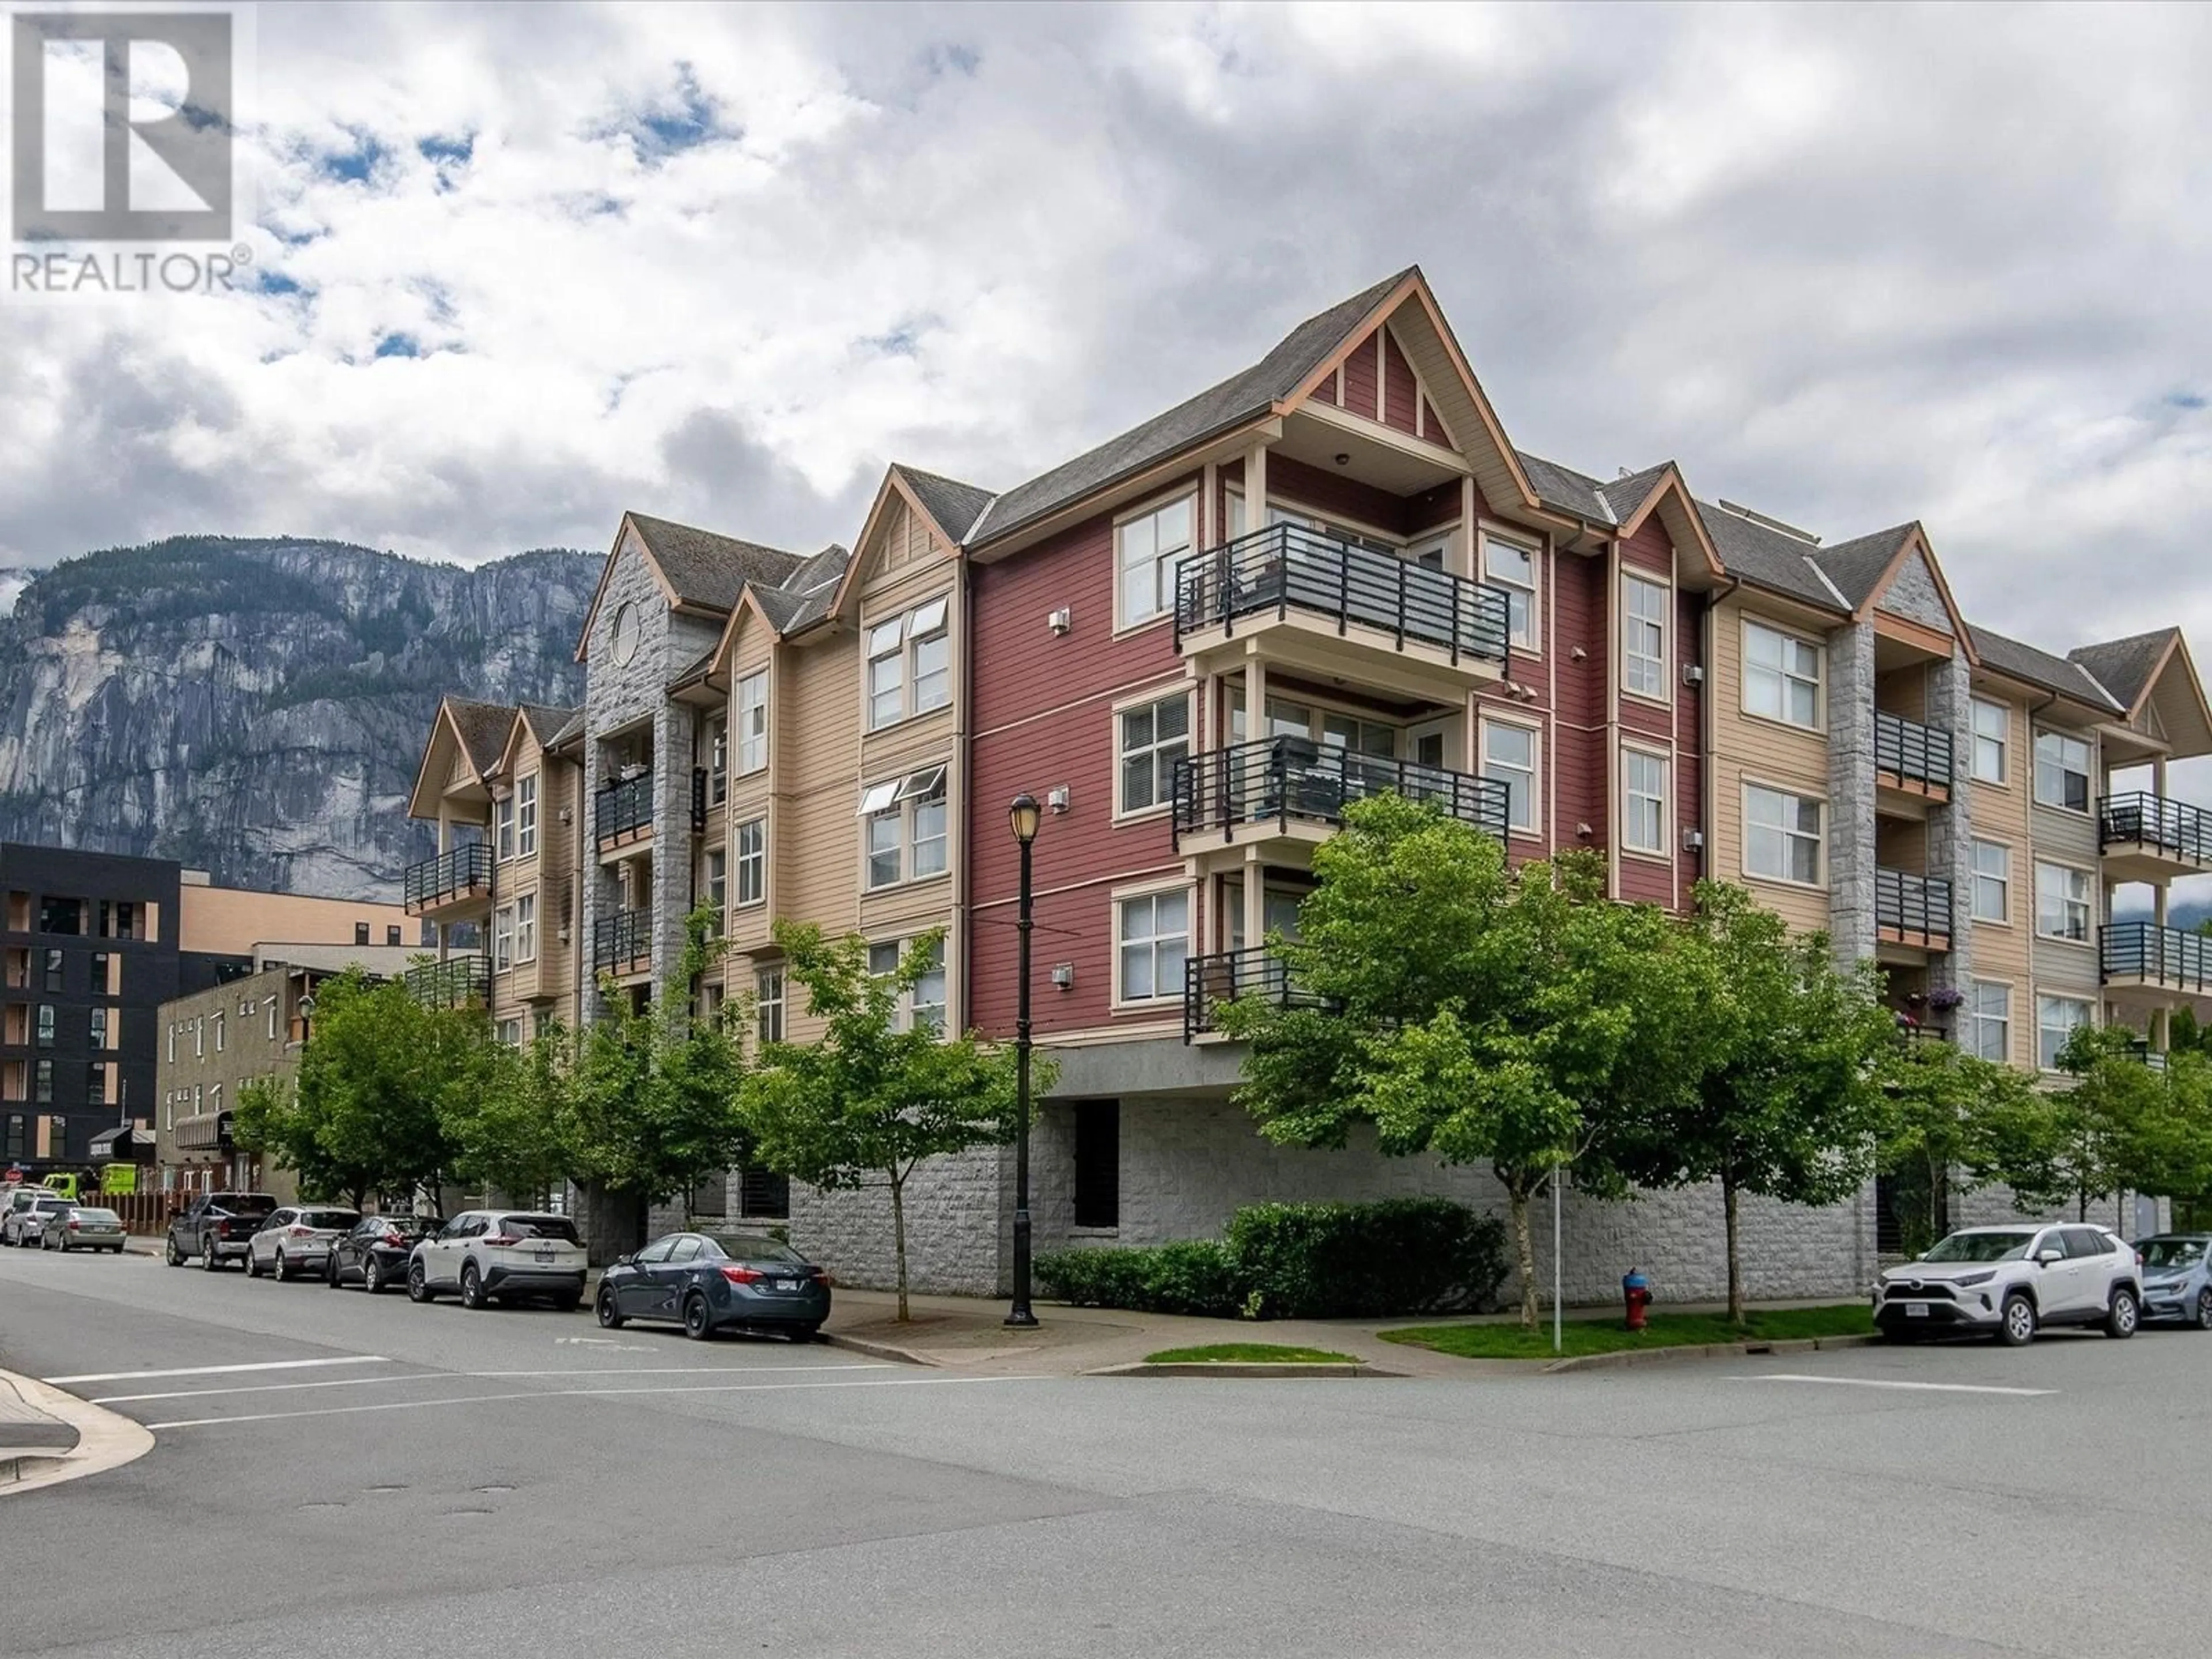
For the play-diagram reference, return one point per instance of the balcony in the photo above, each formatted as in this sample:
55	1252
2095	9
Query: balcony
622	944
459	877
1346	611
622	813
1209	982
701	795
1912	765
1294	787
455	982
2147	960
2142	1054
2147	837
1911	912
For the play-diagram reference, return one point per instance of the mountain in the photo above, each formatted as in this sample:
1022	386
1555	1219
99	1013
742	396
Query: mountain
256	708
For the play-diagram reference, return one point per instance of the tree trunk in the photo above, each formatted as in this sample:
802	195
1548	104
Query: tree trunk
898	1237
1524	1254
1734	1259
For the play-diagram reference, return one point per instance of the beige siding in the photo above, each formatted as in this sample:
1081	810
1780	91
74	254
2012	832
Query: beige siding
1902	691
2000	814
1747	748
813	831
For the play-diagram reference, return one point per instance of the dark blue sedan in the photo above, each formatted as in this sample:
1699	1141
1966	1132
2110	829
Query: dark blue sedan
707	1282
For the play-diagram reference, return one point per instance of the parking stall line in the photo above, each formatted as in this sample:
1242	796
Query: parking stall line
1886	1383
428	1376
216	1370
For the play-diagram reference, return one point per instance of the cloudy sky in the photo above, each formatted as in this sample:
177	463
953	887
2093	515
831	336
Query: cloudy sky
521	267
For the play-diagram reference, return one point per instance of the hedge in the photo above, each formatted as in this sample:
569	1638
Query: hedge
1412	1255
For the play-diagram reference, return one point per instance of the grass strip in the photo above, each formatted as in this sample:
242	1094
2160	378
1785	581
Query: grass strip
1248	1353
1663	1330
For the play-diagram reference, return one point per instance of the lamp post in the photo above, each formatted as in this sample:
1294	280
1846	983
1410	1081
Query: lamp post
1023	816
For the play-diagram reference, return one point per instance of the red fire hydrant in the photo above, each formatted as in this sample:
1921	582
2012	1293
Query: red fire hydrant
1636	1292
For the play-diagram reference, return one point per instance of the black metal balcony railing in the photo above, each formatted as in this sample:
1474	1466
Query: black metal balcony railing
2142	1054
1905	749
453	983
622	939
1285	567
456	871
623	808
1208	982
698	799
2163	955
1917	907
2142	818
1286	778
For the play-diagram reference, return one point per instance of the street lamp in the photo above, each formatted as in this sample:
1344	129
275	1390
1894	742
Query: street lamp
1023	816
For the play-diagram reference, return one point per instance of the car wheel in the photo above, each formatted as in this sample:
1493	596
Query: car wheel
695	1318
330	1270
208	1263
2016	1324
2121	1318
2205	1310
610	1316
418	1284
283	1269
253	1263
372	1276
472	1293
172	1255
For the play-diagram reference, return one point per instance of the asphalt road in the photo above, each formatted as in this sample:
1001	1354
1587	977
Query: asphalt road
397	1479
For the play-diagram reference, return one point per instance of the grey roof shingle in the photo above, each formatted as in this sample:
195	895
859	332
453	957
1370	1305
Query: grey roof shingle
2123	667
707	569
545	723
484	729
1625	496
571	729
2026	662
1563	487
1767	558
1239	398
1856	565
955	506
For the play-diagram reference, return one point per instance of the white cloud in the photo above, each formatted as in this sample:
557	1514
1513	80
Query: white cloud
1854	267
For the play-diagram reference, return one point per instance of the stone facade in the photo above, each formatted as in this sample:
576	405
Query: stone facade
1950	709
1851	710
953	1246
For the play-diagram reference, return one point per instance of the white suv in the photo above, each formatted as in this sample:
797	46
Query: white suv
489	1256
2010	1281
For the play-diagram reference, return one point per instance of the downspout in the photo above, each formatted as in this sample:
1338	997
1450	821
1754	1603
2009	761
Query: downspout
963	951
1709	724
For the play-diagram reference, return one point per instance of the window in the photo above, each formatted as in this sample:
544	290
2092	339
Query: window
42	1087
118	919
718	761
100	1030
61	915
54	965
503	817
102	973
764	1195
1782	839
2061	771
1146	551
360	933
95	1083
910	664
1155	940
925	1002
526	927
1512	566
752	861
1153	738
1098	1163
752	723
714	883
1992	882
767	1003
271	1005
1992	740
927	804
886	672
930	653
2056	1019
1781	676
199	1039
1509	755
884	831
1642	637
2061	903
906	827
525	818
510	1033
1643	806
1989	1008
502	938
172	1044
45	1038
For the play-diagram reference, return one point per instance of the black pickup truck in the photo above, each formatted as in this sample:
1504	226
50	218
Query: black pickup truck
216	1228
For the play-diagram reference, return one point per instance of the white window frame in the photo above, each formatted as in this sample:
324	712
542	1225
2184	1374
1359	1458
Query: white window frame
1980	1020
1487	724
1784	678
1162	994
2086	902
929	623
1128	559
750	699
901	804
1977	737
1660	846
715	884
526	927
768	1004
891	675
1637	631
2088	770
502	938
1529	641
749	884
718	759
510	1032
909	1005
1789	833
525	815
1163	774
502	815
2002	878
2043	1000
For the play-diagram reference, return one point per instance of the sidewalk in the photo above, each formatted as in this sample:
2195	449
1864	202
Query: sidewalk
25	1427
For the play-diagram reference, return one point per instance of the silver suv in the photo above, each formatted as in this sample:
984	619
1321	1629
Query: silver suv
492	1255
2010	1281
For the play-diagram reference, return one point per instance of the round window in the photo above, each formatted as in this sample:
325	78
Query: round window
625	635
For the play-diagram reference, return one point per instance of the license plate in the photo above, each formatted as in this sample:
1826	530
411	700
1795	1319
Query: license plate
786	1284
546	1256
1916	1310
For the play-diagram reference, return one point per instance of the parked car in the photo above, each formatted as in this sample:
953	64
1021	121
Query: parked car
20	1199
26	1225
374	1253
498	1255
81	1227
707	1282
216	1227
297	1240
2177	1278
2010	1281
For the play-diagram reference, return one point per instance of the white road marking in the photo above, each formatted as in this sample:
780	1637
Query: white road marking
1881	1382
220	1371
428	1376
561	1393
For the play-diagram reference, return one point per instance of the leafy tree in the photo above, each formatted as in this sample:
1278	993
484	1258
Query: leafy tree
1483	1014
2124	1127
505	1124
1787	1101
1949	1113
866	1104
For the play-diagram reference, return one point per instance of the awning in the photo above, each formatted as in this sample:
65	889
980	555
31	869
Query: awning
209	1132
123	1145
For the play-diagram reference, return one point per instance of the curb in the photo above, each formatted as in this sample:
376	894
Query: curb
1241	1367
876	1350
1605	1362
104	1440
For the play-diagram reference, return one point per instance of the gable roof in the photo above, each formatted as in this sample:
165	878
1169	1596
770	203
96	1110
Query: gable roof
546	724
483	729
2025	662
1565	488
2126	667
1770	559
705	568
1857	567
955	506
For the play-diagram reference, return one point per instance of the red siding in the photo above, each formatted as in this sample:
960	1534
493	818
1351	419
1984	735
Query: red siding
1648	551
1689	740
1400	388
1579	737
1432	508
1432	428
1332	495
1359	378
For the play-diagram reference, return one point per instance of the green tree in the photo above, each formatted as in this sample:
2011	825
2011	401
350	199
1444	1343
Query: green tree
1788	1099
505	1122
1948	1112
868	1103
1517	1019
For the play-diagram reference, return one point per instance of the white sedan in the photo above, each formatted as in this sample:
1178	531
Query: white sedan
296	1241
